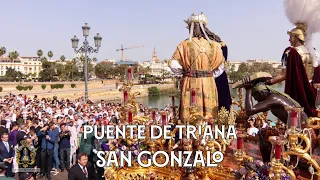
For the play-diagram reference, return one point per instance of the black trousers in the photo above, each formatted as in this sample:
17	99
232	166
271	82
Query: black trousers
65	158
38	158
100	173
9	172
46	163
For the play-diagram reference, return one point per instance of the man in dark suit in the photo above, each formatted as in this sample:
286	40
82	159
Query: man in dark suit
79	171
6	153
22	133
3	128
86	146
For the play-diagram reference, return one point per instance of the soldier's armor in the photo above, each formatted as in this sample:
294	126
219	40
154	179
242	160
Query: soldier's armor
306	60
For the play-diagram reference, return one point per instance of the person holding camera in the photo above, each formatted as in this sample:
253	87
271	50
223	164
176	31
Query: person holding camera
47	145
64	147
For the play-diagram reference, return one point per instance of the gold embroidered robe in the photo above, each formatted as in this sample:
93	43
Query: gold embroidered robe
199	55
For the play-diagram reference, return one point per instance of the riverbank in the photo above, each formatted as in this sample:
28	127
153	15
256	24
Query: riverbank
116	95
96	90
37	86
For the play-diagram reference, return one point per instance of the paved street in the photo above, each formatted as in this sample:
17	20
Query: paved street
59	176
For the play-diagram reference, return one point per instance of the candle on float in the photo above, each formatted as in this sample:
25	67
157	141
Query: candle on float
278	151
239	142
152	177
129	74
130	117
193	97
294	118
125	96
164	119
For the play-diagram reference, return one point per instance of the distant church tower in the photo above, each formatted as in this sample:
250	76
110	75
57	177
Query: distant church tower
155	56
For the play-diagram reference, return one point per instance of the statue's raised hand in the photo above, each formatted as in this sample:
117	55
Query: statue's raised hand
247	82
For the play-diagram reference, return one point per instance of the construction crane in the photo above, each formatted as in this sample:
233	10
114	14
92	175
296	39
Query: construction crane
122	49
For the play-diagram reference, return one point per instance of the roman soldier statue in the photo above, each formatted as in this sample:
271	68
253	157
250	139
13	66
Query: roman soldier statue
300	62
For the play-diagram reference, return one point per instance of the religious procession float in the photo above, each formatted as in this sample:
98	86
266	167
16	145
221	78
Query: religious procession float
287	150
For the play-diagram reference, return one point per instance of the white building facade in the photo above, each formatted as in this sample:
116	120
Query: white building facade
157	68
23	64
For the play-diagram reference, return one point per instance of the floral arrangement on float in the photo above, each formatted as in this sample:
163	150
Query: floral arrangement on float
257	170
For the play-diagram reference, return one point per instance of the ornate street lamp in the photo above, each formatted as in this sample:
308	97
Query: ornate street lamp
86	48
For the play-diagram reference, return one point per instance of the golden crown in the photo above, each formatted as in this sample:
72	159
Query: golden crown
197	18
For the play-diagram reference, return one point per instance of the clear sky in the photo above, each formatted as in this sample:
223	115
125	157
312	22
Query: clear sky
252	29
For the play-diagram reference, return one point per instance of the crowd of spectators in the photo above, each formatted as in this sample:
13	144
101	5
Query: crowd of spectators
54	126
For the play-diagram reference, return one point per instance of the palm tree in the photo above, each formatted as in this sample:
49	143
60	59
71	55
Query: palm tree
50	54
2	51
43	59
39	53
13	56
62	58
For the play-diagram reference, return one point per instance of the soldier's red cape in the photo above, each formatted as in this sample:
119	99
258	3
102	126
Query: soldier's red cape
297	84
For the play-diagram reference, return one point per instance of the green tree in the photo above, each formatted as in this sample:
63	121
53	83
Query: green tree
71	70
153	91
94	59
50	54
13	56
144	70
43	59
61	72
82	59
121	70
90	65
3	51
246	69
39	53
62	58
48	71
13	74
104	70
90	69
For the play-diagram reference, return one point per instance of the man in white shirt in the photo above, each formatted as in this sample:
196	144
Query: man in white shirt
73	142
66	110
78	122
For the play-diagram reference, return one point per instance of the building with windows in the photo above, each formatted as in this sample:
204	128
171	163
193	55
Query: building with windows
157	68
24	64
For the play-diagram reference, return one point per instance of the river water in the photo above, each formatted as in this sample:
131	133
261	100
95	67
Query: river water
161	101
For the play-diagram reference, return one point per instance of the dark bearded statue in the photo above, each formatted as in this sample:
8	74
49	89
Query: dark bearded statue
272	100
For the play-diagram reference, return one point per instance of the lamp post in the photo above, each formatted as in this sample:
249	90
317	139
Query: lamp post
86	48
